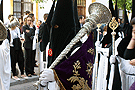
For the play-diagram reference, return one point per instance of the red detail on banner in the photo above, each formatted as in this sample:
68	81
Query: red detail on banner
50	52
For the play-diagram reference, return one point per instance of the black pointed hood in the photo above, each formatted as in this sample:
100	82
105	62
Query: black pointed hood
126	26
111	8
1	10
63	13
125	15
49	18
63	25
116	11
45	29
133	9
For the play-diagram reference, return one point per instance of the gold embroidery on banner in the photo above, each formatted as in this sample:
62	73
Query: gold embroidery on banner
91	51
89	69
82	82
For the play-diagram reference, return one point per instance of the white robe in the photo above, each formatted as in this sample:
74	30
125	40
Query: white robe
127	73
103	69
5	65
101	83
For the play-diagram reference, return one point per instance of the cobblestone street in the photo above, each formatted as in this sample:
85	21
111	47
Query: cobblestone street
25	86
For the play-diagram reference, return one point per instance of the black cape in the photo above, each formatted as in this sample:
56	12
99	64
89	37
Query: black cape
124	43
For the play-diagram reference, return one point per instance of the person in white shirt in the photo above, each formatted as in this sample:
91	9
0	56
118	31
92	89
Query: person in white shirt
8	21
16	51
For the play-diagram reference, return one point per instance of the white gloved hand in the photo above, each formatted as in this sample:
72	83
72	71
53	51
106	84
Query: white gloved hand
43	83
112	59
97	43
47	75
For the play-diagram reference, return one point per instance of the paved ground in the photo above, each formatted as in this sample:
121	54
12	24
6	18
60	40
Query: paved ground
22	81
24	86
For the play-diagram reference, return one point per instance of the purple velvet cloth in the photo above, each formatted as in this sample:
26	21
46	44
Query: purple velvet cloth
132	87
65	70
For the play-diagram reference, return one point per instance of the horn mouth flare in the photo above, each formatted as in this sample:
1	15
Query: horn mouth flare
99	13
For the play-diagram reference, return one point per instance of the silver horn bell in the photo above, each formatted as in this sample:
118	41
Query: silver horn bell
99	13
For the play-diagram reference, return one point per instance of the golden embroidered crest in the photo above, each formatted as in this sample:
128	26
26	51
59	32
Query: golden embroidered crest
91	51
82	82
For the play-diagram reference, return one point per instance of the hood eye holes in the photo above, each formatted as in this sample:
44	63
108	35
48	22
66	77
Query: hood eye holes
56	26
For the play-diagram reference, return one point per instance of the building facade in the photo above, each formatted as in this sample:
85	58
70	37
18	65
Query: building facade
19	7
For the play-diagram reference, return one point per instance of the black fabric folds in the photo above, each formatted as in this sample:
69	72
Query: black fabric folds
44	32
63	28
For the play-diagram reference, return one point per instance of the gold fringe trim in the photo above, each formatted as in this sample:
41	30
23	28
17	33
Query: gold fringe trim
58	81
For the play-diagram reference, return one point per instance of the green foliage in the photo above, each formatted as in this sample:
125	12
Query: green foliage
40	1
120	4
